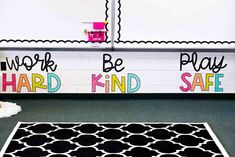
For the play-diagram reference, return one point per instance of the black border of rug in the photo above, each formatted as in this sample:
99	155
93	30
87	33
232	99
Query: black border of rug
206	125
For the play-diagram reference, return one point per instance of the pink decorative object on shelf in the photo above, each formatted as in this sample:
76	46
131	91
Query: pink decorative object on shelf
99	25
96	36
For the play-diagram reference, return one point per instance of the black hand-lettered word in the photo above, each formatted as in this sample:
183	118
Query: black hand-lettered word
107	60
28	62
206	62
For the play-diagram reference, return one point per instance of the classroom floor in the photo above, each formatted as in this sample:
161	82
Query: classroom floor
220	114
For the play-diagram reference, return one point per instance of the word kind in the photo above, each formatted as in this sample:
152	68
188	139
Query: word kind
30	81
205	81
110	82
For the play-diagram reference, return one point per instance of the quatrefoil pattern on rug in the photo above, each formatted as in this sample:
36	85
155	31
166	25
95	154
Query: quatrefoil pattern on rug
112	140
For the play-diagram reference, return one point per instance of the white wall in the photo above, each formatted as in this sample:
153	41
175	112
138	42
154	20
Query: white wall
177	24
152	24
53	23
138	24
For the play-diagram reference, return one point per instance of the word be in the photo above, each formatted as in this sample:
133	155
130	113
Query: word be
198	82
206	62
37	82
107	59
126	84
28	62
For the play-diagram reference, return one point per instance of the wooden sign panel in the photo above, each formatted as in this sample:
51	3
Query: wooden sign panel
116	72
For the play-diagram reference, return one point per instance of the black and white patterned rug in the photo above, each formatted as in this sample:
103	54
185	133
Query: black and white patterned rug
112	140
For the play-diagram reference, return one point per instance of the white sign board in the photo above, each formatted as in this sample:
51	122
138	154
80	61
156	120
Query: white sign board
116	72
